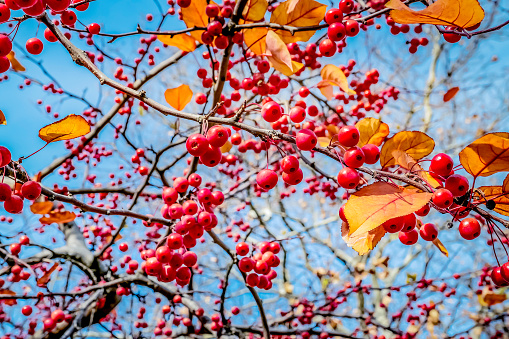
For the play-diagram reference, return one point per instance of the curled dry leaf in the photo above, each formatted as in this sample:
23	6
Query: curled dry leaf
42	207
487	155
489	297
178	97
3	121
460	13
364	242
303	13
70	127
58	217
194	16
42	281
15	64
279	55
414	143
255	10
372	131
374	204
451	93
333	76
184	42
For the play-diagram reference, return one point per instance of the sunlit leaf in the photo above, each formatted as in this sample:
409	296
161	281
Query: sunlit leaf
372	131
226	147
499	195
42	207
441	247
336	77
255	10
489	298
303	13
70	127
3	121
178	97
407	162
326	89
42	281
450	94
460	13
194	16
279	56
184	42
414	143
364	242
374	204
487	155
58	217
15	64
255	39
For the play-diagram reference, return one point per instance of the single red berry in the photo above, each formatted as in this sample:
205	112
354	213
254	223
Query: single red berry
68	18
26	310
333	15
194	180
5	192
346	6
354	157
221	42
94	28
5	44
58	316
14	204
174	241
348	178
451	37
409	223
34	46
246	264
267	179
5	64
423	211
58	5
327	48
212	157
297	114
197	144
184	3
153	267
371	153
469	228
31	190
409	238
442	198
170	195
336	31
394	225
306	140
143	170
441	164
351	27
497	278
348	136
293	178
428	232
290	164
342	213
504	270
457	184
217	136
271	111
123	247
303	92
217	198
252	279
242	248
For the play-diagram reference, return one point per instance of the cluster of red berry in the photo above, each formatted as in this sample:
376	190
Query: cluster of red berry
261	262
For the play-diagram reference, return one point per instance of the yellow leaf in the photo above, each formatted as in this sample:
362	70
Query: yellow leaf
451	94
185	42
3	121
416	144
487	155
194	16
255	10
372	131
255	39
58	217
303	13
226	147
15	64
324	141
407	162
178	97
374	204
42	281
326	89
279	56
70	127
441	247
42	207
490	298
335	76
364	242
460	13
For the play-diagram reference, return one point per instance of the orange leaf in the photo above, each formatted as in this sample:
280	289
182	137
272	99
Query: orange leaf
335	77
15	64
416	144
184	42
505	184
326	89
226	147
194	16
8	302
499	195
364	242
255	39
3	121
42	281
490	298
372	131
460	13
487	155
58	217
441	247
43	207
451	94
407	162
374	204
255	10
303	13
178	97
279	56
70	127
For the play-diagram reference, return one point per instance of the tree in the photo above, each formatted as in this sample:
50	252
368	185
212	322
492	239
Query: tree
234	176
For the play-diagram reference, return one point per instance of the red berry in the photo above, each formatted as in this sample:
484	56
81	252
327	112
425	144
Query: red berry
94	28
346	6
354	157
5	44
68	18
290	164
328	48
58	5
217	136
423	211
409	238
271	111
197	144
371	154
441	164
246	264
4	64
14	204
336	31
153	266
212	157
143	170
25	3
58	316
190	259
31	190
184	3
170	195
194	180
497	278
428	232
504	270
457	184
242	248
351	27
123	247
348	178
451	37
348	136
34	46
306	140
212	10
297	114
26	310
293	178
333	15
267	179
252	279
5	192
394	225
174	241
442	198
469	228
409	222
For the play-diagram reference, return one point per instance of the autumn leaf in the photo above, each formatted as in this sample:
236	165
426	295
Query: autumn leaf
303	13
255	10
194	16
414	143
279	56
70	127
3	121
364	242
451	93
58	217
42	281
42	207
8	302
184	42
460	13
489	298
487	155
15	64
326	89
372	131
178	97
332	133
499	195
374	204
333	76
226	147
255	39
410	164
